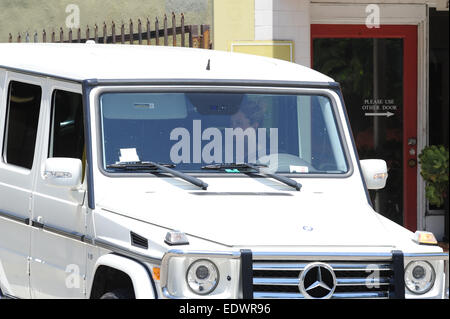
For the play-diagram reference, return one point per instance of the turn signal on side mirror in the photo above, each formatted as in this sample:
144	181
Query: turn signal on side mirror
380	176
63	172
374	172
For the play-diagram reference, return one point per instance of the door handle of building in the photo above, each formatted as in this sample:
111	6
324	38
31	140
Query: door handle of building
412	162
412	141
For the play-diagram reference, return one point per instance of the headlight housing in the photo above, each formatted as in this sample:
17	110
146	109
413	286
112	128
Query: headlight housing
200	274
419	277
202	277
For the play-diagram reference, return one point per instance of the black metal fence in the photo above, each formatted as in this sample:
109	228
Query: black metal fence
147	33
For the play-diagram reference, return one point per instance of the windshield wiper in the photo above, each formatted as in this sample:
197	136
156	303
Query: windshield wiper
244	167
167	168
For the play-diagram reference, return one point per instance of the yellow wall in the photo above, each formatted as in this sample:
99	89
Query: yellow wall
233	20
283	50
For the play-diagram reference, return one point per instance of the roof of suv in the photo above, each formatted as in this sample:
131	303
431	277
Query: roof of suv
80	62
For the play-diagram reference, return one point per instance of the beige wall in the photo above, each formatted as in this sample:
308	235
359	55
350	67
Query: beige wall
34	15
257	22
285	20
233	20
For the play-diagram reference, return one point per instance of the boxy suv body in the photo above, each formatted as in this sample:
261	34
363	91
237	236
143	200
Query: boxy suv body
150	172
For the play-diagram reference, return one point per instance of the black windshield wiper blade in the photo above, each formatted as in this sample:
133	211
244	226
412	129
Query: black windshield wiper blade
138	165
167	168
242	167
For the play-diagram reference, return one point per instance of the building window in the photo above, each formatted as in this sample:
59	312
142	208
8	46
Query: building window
438	68
24	102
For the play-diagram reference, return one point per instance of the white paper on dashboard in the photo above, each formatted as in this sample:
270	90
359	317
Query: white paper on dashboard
128	155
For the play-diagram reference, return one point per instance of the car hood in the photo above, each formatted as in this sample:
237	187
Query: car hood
258	219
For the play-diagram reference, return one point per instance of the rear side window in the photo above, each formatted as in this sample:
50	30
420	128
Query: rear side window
24	102
67	129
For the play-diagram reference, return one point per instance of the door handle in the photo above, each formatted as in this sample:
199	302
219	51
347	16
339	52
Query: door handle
412	162
38	223
412	141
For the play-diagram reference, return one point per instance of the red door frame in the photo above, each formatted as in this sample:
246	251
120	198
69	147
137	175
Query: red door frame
409	35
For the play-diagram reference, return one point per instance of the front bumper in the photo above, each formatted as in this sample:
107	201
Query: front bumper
276	275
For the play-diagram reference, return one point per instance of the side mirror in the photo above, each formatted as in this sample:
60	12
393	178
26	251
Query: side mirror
374	172
64	172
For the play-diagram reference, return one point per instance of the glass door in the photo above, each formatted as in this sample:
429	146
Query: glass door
377	70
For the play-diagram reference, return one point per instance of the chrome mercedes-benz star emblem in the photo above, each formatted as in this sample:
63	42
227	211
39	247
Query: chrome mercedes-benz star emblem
317	281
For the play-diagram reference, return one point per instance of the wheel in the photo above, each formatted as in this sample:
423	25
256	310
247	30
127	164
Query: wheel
118	294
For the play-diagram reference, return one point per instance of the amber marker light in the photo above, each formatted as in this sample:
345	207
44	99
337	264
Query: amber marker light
380	176
425	238
156	273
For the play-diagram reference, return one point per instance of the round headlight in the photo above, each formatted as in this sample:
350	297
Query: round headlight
202	277
419	277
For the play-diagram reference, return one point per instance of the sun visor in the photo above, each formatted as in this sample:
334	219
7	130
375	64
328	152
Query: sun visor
143	106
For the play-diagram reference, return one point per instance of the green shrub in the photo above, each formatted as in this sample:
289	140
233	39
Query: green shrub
434	170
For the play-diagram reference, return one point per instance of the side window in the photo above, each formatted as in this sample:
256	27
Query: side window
67	129
24	102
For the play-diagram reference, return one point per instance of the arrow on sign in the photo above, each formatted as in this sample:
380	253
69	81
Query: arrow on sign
387	114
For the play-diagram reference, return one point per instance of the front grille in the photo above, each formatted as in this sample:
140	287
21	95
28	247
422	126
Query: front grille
354	279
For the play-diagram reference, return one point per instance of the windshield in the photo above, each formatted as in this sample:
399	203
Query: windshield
287	133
